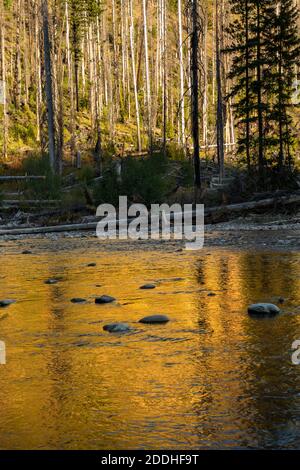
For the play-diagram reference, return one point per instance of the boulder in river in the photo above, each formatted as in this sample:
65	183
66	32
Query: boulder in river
91	265
104	299
26	252
117	328
6	302
148	286
78	300
154	319
263	310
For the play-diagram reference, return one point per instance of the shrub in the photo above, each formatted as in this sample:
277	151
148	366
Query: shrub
143	180
43	189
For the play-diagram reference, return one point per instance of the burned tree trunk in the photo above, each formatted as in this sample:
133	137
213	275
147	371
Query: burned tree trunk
48	84
195	33
220	112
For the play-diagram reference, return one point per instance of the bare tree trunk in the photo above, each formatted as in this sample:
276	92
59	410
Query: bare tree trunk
137	108
38	73
91	67
18	78
124	96
97	78
247	88
205	87
220	112
48	85
195	90
164	26
70	84
26	51
259	95
147	76
57	84
3	62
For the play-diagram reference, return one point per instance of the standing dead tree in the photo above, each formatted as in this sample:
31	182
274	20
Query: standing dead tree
3	65
147	75
196	28
48	84
220	110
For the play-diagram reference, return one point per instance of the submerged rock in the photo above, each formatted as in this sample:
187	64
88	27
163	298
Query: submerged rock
148	286
155	319
6	302
261	310
78	300
117	328
51	281
3	317
104	299
91	265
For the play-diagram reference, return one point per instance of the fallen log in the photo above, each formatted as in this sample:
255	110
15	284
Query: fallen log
6	203
21	178
221	213
81	184
53	229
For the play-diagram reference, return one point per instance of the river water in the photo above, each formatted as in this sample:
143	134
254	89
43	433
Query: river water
211	378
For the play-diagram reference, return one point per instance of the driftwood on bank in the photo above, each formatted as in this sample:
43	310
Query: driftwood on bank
19	203
53	229
21	178
212	215
81	184
221	213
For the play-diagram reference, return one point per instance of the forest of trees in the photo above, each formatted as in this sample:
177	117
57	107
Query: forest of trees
209	78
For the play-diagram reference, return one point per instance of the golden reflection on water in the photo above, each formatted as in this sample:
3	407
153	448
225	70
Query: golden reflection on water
211	378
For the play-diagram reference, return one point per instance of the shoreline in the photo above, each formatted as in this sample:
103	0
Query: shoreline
230	237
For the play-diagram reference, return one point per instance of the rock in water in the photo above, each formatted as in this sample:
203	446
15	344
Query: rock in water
26	252
91	265
78	300
116	328
264	310
104	299
148	286
51	281
155	319
6	302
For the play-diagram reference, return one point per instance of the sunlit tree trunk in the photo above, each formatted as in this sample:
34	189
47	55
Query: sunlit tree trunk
220	112
147	76
3	62
18	73
259	92
70	83
205	87
181	73
132	48
48	84
165	76
247	84
38	73
195	91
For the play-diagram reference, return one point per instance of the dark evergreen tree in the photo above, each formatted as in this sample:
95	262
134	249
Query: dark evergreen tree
282	46
265	50
242	74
